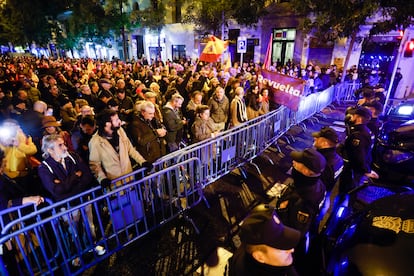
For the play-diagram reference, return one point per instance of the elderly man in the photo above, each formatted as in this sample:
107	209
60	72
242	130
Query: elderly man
267	245
174	122
147	133
238	111
64	175
219	108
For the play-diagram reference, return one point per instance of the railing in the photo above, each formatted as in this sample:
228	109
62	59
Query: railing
345	92
48	240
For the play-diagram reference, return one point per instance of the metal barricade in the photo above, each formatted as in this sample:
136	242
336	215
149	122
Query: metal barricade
345	92
40	242
62	233
59	238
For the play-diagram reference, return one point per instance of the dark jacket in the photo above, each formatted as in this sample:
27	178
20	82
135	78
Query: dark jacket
80	142
61	183
174	124
357	148
304	197
125	108
219	110
145	138
9	190
334	166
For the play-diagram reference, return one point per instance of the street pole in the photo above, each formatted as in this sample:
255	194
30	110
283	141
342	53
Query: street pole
241	60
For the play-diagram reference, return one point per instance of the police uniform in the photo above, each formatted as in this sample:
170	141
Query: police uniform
305	195
262	227
374	124
357	157
334	162
334	167
303	205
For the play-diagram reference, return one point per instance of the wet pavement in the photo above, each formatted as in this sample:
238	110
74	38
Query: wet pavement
177	249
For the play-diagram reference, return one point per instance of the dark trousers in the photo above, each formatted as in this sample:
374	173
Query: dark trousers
350	178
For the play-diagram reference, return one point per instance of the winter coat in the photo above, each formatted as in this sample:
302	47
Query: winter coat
105	162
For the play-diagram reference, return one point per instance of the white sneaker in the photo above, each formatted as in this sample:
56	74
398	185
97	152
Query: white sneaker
100	250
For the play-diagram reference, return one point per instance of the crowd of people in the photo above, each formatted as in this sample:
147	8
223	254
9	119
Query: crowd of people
70	124
135	111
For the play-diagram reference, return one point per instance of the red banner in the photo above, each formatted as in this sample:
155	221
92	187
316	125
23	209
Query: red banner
283	89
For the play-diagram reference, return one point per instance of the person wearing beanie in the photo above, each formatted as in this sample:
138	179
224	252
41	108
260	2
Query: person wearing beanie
266	245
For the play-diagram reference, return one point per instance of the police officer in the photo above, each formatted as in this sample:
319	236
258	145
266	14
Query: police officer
299	204
325	142
374	124
267	246
356	149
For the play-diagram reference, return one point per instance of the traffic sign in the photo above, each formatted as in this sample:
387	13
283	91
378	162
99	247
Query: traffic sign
241	45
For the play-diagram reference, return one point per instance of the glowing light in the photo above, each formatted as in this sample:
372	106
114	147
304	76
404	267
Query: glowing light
405	110
411	45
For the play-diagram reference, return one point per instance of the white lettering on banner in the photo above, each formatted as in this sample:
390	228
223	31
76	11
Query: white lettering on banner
279	86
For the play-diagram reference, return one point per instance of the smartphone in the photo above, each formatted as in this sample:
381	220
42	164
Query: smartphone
49	112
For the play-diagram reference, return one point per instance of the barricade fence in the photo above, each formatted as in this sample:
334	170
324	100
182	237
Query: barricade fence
345	92
64	236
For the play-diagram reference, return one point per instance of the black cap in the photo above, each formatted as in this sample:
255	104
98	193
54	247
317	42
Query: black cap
311	158
328	133
368	93
361	111
263	226
375	104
